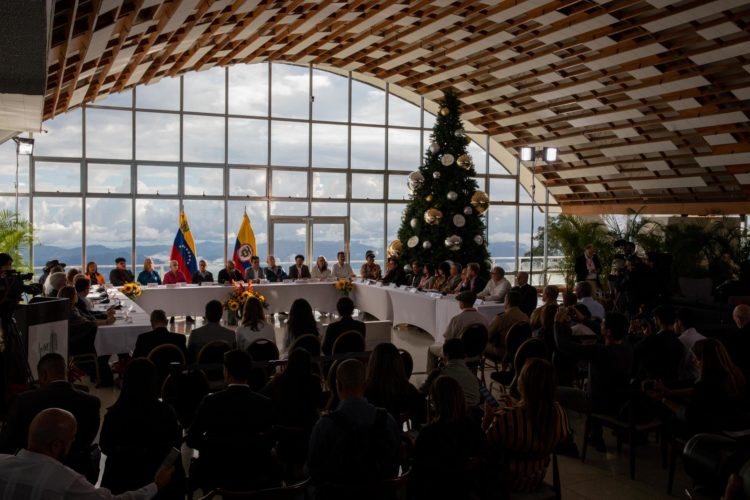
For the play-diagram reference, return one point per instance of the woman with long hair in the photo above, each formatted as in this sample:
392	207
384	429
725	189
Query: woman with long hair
428	276
443	270
149	274
320	269
453	279
301	321
92	271
137	433
71	276
388	387
530	429
254	325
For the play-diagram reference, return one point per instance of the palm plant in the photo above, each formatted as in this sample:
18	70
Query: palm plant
16	234
572	234
646	233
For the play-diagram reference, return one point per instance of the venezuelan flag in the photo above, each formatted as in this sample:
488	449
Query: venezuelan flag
244	246
183	249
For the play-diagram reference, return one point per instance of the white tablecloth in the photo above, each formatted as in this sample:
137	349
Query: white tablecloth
373	300
120	337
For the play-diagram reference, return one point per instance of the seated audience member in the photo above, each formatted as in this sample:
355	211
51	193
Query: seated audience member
231	431
393	274
50	267
149	274
301	321
254	273
549	298
82	286
174	275
93	274
54	392
37	471
159	335
345	308
388	387
355	424
473	283
441	278
229	274
320	270
496	287
528	293
499	326
202	275
583	293
570	299
70	276
455	367
445	445
719	394
370	270
341	269
138	431
463	283
739	341
458	323
610	369
414	276
427	278
254	325
55	281
453	279
528	430
583	323
684	326
660	356
299	271
274	273
209	332
121	274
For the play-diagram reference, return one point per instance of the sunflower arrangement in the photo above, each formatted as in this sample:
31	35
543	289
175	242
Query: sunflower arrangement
239	295
131	290
343	286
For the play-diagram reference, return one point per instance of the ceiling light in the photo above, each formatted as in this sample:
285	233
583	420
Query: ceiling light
527	154
24	146
549	154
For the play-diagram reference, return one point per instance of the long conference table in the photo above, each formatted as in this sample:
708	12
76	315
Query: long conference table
429	311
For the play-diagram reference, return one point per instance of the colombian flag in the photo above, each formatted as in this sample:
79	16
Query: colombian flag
183	249
244	247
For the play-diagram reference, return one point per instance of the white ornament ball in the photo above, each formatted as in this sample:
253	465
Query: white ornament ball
468	211
478	239
452	195
413	223
436	175
416	179
459	220
434	148
459	132
447	160
426	245
453	242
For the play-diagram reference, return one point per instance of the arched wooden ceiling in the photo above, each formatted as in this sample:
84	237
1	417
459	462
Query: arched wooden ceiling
646	99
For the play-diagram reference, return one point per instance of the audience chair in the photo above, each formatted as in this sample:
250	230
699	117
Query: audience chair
163	356
291	492
211	360
351	341
408	363
513	340
291	445
546	491
184	391
308	342
531	348
88	357
263	350
332	399
474	338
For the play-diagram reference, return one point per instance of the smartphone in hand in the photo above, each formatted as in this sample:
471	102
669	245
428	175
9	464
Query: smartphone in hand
488	397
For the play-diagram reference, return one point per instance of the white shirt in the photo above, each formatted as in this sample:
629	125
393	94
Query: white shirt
342	272
30	475
461	321
595	308
495	290
689	337
316	273
246	335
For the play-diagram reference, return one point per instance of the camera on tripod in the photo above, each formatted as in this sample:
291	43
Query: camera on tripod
12	286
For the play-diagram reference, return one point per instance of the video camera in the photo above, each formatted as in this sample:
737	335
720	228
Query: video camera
12	286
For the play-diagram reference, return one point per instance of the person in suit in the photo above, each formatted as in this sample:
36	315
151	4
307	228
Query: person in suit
528	293
274	273
55	392
588	266
121	274
345	307
159	335
202	275
229	274
414	276
209	332
473	283
254	273
299	270
394	273
232	432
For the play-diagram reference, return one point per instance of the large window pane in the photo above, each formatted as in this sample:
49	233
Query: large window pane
157	180
257	211
108	231
329	185
366	227
109	134
204	91
164	94
247	182
328	240
156	224
157	136
395	215
368	104
331	94
525	229
57	230
288	183
57	177
204	181
368	186
497	168
288	241
501	226
401	112
368	148
477	152
248	141
328	209
503	190
63	138
398	188
289	144
203	139
108	178
403	149
290	91
206	219
248	89
289	208
429	120
8	169
329	145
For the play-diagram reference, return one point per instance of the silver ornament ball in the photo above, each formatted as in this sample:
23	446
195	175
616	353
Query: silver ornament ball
434	148
426	245
413	223
478	239
452	195
468	211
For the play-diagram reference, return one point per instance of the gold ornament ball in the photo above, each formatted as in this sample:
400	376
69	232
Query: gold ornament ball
480	201
395	248
432	216
445	111
428	198
464	161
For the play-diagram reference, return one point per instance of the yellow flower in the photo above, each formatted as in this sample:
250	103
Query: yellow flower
137	292
233	305
127	288
246	295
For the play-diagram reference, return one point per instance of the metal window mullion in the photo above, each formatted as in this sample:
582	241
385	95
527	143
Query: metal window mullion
181	164
384	241
518	212
546	229
348	186
269	173
310	98
132	202
83	184
226	163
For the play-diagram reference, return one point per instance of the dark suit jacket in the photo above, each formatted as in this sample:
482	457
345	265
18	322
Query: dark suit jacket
198	279
413	279
118	278
582	271
225	278
396	276
61	394
476	285
275	275
528	298
337	328
304	274
659	357
148	341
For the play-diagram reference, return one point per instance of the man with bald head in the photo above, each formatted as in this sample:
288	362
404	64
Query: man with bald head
739	343
37	472
55	392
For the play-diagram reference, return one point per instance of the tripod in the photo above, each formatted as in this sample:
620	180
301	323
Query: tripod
16	372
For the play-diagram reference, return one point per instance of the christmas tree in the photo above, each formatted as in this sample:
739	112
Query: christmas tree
443	220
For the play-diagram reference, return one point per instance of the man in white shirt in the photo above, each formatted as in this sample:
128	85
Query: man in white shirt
36	472
583	291
496	287
341	270
684	326
468	316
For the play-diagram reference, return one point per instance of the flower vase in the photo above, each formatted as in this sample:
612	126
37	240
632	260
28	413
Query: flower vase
231	318
344	293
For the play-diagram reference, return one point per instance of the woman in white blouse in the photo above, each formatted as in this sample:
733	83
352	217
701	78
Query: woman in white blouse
320	269
254	325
